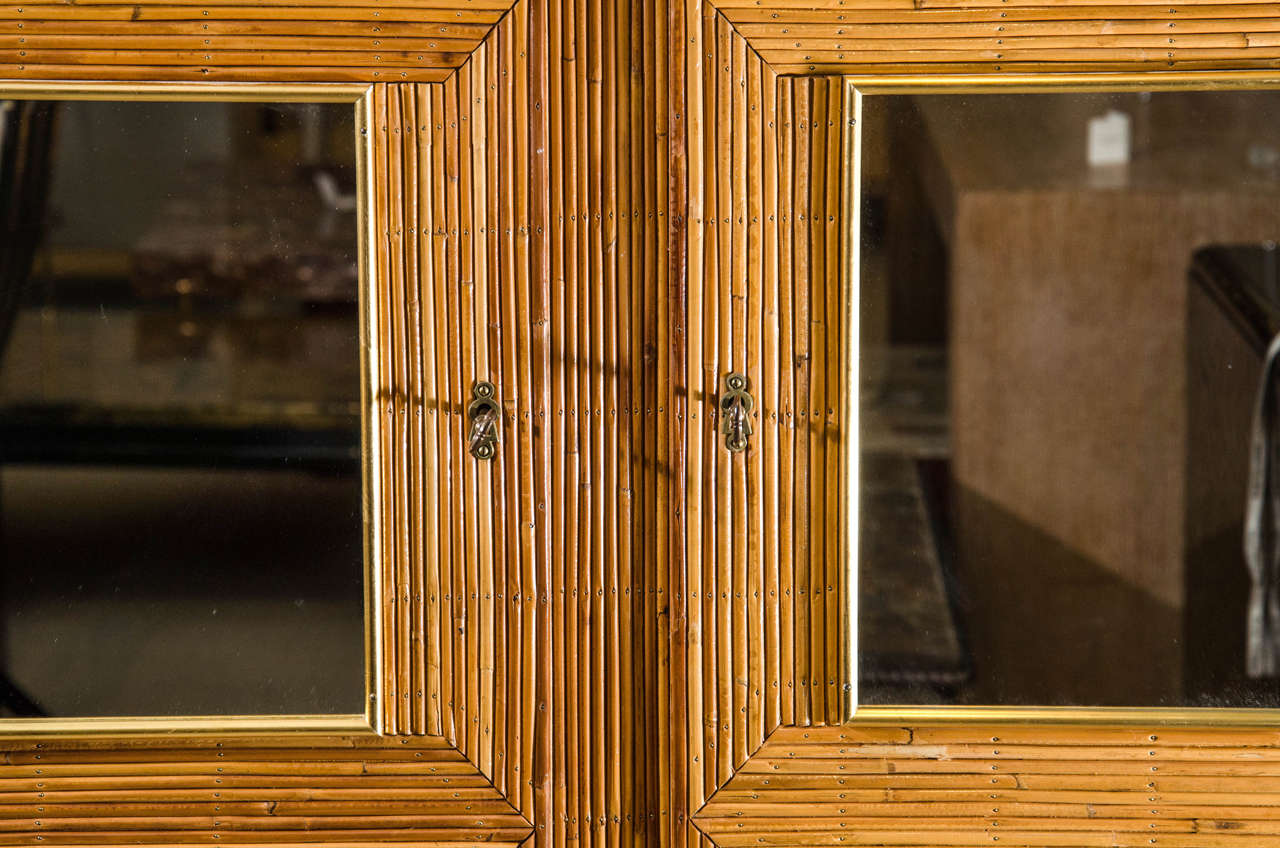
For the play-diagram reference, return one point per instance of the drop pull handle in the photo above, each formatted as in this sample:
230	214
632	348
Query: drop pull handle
736	406
484	415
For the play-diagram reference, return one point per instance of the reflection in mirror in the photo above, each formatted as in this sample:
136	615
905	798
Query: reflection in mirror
1067	301
180	484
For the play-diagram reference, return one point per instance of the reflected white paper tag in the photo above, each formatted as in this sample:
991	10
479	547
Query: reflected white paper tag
1109	139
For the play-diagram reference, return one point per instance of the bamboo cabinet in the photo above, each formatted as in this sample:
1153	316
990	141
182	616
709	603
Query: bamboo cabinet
616	630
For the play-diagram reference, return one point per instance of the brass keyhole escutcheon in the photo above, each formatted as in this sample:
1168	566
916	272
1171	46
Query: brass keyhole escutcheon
484	414
736	406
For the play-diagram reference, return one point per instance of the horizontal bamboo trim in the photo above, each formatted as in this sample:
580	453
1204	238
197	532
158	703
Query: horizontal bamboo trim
963	785
1096	15
389	49
223	73
449	6
282	40
213	28
281	60
889	37
207	13
996	45
916	69
340	840
75	792
1001	28
1015	55
228	833
1045	8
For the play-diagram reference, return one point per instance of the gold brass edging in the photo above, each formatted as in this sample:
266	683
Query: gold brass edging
370	342
195	726
1142	716
360	95
857	85
235	92
850	345
1063	82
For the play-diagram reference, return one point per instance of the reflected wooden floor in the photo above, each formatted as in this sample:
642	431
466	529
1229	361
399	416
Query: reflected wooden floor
1044	625
143	591
1048	626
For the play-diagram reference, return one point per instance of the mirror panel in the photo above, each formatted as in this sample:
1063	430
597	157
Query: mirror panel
180	381
1066	303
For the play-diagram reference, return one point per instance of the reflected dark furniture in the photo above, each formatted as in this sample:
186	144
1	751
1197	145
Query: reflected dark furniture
26	131
1233	312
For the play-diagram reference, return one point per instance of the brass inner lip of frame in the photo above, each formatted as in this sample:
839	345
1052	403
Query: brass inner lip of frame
857	86
359	95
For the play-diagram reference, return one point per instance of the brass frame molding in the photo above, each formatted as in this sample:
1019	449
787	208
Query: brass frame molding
360	98
856	88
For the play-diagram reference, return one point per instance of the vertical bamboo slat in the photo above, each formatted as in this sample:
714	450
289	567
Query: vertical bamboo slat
608	416
665	392
813	413
503	549
837	382
628	682
384	598
541	330
429	281
414	361
457	458
770	403
802	353
753	682
560	482
520	188
675	71
508	774
444	415
736	78
786	403
721	462
699	479
595	430
470	471
575	171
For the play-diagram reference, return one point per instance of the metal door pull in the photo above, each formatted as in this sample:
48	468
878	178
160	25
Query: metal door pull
485	415
736	406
